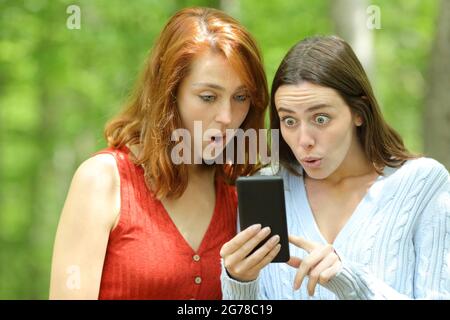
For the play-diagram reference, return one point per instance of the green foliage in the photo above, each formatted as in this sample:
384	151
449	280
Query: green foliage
58	87
402	53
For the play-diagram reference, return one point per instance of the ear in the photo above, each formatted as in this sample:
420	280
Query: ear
358	120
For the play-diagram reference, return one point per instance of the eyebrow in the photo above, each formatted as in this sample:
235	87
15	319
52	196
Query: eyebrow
310	109
214	86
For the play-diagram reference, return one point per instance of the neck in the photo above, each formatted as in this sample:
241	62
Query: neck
201	172
355	164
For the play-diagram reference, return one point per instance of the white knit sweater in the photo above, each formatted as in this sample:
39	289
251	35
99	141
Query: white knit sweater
396	245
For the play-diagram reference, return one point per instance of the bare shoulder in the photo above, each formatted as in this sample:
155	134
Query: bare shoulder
100	170
95	189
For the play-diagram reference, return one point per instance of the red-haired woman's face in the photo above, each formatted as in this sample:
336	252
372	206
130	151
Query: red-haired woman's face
318	126
214	96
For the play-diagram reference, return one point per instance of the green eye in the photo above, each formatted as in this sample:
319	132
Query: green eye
208	98
322	119
289	122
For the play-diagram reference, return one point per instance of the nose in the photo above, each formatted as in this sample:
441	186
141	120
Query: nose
305	137
224	115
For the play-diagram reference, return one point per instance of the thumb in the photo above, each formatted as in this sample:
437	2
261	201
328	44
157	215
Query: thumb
294	262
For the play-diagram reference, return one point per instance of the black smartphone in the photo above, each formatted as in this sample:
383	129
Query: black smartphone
261	200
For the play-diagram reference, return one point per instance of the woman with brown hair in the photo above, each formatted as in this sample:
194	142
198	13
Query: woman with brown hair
137	223
366	218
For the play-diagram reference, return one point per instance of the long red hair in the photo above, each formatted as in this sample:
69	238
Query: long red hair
151	115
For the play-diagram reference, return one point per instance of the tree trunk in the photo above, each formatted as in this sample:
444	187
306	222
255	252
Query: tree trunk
437	104
350	19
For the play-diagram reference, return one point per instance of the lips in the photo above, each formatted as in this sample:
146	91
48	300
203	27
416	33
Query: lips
311	162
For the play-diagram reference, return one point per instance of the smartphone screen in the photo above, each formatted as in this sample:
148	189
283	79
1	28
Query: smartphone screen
261	200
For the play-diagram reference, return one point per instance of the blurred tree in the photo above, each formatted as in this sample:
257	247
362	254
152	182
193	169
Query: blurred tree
350	19
231	7
437	104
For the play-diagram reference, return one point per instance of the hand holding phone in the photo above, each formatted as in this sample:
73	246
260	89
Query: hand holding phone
239	263
262	216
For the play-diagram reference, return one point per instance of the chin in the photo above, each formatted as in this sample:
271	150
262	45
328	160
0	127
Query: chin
317	174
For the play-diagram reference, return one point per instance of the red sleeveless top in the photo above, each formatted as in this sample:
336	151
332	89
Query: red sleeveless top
148	258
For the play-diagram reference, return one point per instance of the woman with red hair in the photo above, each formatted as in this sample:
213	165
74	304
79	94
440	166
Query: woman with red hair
138	225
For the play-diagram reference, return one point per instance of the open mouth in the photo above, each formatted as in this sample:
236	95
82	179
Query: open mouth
217	139
313	163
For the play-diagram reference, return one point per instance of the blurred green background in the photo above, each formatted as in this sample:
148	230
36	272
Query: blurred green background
59	86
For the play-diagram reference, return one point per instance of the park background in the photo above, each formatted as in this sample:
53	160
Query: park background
59	85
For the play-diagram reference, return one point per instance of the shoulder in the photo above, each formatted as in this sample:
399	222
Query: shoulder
434	173
425	163
420	179
98	171
95	190
425	168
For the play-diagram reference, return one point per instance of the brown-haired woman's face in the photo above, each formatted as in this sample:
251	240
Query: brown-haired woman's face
317	125
214	95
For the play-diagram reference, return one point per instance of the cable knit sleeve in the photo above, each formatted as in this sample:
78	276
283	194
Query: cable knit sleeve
237	290
432	243
432	256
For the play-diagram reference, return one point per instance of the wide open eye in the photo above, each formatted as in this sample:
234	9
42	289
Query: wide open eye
289	121
322	119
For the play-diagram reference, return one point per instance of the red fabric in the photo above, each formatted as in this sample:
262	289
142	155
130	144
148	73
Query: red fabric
148	258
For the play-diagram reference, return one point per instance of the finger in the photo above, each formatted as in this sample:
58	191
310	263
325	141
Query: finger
242	253
310	262
329	273
268	258
239	240
256	257
294	262
303	243
314	274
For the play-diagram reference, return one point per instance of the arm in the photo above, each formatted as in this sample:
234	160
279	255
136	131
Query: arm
432	250
90	212
432	245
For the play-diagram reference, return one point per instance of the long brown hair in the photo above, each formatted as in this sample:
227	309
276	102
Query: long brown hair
151	116
330	61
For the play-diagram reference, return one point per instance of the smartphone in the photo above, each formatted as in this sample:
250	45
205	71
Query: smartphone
261	200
